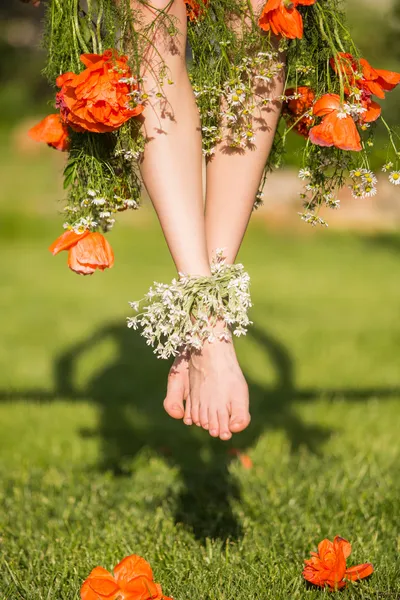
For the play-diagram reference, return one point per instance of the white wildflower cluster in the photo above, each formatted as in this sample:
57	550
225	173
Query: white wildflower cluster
98	211
363	183
129	155
331	201
228	111
181	316
354	109
305	69
313	219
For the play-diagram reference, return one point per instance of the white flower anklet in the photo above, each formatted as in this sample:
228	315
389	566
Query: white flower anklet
182	316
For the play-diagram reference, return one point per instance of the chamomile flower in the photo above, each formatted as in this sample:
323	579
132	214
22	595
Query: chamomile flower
357	173
369	191
369	177
304	174
387	166
394	177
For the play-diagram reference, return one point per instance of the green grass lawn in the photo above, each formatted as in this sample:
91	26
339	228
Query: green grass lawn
93	470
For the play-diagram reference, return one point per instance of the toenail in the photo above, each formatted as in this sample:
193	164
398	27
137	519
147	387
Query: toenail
198	423
214	432
187	421
176	407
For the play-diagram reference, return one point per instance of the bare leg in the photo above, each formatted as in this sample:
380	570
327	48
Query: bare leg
232	183
172	164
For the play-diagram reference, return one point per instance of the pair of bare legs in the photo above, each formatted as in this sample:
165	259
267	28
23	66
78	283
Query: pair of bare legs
206	388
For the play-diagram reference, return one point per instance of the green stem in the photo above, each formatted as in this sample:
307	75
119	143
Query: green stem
76	25
90	24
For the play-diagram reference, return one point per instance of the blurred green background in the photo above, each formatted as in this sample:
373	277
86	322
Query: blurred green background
92	469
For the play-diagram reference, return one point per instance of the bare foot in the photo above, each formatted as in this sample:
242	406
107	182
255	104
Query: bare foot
218	390
178	390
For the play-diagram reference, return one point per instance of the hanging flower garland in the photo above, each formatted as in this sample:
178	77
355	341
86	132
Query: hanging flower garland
96	66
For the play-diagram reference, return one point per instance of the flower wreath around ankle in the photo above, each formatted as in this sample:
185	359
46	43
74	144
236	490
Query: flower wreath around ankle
181	316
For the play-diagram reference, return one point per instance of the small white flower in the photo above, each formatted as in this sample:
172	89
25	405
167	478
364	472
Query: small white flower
98	201
368	191
304	174
369	178
394	177
386	167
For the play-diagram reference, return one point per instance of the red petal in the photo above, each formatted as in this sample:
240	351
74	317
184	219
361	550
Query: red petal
373	112
374	87
131	567
76	266
345	134
99	584
66	241
359	572
322	135
104	587
389	77
343	544
326	104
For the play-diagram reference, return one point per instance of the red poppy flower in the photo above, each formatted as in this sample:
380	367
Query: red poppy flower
194	9
296	107
360	74
327	567
52	131
132	580
98	98
336	128
87	251
283	18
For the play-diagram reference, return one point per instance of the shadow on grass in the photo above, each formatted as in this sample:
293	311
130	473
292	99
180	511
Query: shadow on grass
128	394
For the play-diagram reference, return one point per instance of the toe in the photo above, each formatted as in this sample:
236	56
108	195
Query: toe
195	412
223	419
187	419
240	417
173	402
204	415
213	424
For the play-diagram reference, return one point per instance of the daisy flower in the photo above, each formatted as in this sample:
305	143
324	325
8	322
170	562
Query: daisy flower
394	177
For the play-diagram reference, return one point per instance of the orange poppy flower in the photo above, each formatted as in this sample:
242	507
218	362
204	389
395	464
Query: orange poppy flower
360	74
283	18
327	567
336	128
296	107
98	99
52	131
195	10
132	580
87	251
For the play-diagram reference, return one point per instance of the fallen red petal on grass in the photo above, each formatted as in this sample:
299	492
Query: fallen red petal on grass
132	580
327	567
244	459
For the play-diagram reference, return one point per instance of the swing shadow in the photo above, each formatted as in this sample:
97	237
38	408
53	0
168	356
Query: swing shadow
128	394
